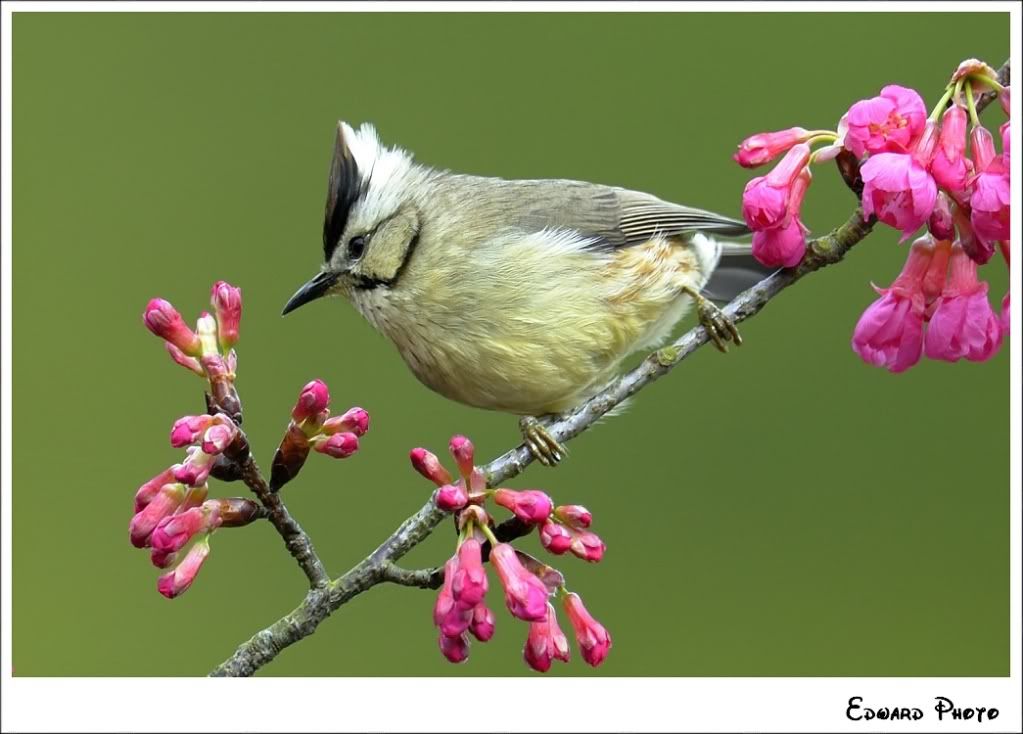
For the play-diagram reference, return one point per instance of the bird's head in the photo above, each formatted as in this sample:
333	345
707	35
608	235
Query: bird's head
371	222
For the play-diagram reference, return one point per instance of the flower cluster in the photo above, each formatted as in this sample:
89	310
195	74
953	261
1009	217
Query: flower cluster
528	583
209	350
312	427
917	169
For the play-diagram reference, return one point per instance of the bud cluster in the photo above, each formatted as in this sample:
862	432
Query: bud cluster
528	584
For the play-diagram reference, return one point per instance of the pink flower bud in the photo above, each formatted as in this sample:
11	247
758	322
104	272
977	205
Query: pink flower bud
174	531
940	225
545	643
162	559
949	165
593	640
462	450
889	122
898	191
195	469
482	624
162	319
189	363
963	324
149	490
1005	314
587	545
227	304
933	282
524	594
188	429
220	435
429	466
354	420
450	616
761	148
576	516
455	649
529	505
555	538
313	399
982	148
340	445
164	503
469	584
176	582
451	497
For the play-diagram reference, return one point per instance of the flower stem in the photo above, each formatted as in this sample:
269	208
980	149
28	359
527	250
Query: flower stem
940	107
971	105
490	535
993	83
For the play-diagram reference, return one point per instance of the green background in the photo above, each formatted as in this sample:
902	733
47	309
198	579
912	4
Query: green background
782	510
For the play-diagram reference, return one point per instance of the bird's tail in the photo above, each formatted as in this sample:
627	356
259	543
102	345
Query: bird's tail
736	271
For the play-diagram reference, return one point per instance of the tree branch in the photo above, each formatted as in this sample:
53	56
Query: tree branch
320	602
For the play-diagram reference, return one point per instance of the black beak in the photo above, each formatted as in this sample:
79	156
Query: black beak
312	290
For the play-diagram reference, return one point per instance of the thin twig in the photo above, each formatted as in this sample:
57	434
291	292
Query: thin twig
379	566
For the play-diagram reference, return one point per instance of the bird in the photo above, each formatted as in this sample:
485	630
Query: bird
520	296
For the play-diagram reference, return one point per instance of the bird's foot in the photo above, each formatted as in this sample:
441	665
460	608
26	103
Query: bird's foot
541	444
720	328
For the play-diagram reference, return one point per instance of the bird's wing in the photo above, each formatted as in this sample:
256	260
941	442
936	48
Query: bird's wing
614	217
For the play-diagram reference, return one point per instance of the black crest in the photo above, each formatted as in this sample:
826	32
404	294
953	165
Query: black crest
344	187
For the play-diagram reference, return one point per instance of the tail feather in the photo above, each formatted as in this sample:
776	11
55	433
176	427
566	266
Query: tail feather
737	270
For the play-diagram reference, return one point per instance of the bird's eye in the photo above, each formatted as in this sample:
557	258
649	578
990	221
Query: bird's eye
356	246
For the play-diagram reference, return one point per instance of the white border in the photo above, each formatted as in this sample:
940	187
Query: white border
572	704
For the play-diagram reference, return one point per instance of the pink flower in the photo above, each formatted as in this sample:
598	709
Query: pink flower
176	582
890	332
889	122
529	505
980	250
482	624
1004	130
594	641
429	466
451	497
524	594
340	445
576	516
188	429
227	303
587	545
462	450
546	642
354	420
162	319
149	490
469	583
162	559
761	148
312	401
451	617
950	167
940	224
766	200
990	206
780	246
555	538
164	503
455	648
1005	314
963	324
898	191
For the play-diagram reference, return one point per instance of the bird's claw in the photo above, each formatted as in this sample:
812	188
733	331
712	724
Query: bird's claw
720	328
541	444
